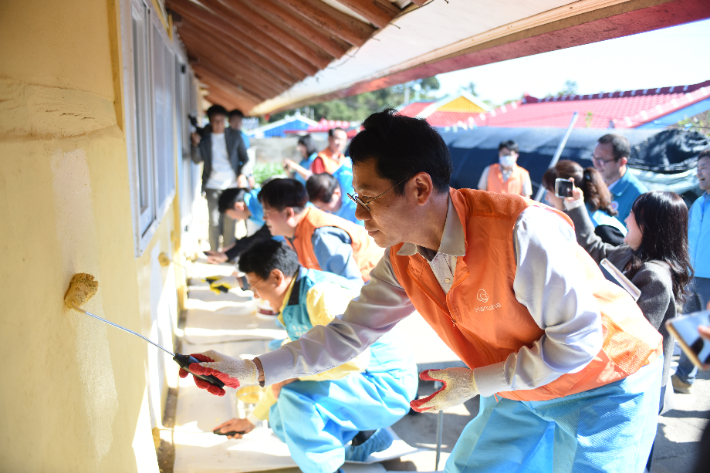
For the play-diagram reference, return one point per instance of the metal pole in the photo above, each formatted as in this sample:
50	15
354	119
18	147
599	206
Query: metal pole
439	435
558	153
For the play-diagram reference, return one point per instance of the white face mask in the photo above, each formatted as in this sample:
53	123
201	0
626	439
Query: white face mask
506	161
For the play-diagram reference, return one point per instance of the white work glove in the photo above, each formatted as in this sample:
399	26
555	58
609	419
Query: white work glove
231	371
459	386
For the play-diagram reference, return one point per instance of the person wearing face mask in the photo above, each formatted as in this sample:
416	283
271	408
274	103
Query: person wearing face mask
654	257
548	342
506	177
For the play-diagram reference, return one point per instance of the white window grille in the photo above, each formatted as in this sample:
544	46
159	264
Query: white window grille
154	120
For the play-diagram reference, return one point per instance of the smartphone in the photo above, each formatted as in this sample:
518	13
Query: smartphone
563	187
685	330
231	432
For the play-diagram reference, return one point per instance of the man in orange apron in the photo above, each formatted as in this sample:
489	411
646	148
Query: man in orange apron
568	368
331	158
322	241
506	177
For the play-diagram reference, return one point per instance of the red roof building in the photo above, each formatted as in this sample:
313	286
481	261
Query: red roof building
450	109
644	108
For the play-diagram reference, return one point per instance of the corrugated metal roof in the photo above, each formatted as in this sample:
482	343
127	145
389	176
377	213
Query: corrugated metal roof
627	109
415	108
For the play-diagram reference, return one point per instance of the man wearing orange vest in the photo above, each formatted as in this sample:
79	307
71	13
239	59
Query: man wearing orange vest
322	241
506	177
567	367
331	158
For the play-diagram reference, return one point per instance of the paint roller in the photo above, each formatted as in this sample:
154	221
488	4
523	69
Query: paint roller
165	261
83	287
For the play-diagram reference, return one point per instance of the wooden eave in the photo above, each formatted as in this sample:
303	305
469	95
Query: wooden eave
265	56
246	52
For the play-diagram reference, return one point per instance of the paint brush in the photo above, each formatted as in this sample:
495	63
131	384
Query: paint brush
83	286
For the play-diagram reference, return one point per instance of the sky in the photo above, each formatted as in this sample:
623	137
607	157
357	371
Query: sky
668	57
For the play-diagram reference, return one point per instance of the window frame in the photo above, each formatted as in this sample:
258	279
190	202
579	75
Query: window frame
149	92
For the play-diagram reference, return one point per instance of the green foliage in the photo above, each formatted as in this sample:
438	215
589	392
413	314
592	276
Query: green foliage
470	88
699	123
264	171
570	88
588	119
359	107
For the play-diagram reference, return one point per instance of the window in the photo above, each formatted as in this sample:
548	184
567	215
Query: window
164	118
188	172
142	145
153	118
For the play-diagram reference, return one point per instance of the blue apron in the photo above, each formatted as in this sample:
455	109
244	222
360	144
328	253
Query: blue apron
607	429
316	419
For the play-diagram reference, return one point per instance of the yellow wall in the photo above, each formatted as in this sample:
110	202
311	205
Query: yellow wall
74	390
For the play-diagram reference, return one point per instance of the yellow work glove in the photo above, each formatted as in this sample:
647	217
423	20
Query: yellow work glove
459	387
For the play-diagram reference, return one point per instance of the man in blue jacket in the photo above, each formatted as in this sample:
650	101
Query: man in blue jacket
317	416
699	245
330	194
610	158
241	204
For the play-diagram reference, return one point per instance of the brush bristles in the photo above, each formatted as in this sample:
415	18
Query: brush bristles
82	287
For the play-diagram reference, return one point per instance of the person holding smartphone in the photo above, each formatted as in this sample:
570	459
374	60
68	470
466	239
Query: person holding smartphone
654	257
548	342
597	198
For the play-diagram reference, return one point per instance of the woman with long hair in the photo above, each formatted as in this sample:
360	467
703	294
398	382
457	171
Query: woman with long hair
308	151
654	257
597	198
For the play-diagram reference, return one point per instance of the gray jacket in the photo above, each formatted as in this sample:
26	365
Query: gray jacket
653	279
236	151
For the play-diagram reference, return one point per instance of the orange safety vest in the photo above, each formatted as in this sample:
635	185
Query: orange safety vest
514	184
481	320
331	161
365	251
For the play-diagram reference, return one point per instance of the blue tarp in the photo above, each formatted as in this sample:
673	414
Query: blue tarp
669	152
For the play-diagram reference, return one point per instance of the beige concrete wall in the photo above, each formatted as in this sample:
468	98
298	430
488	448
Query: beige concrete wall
75	392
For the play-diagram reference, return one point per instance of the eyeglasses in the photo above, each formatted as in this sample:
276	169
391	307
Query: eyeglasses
601	160
355	198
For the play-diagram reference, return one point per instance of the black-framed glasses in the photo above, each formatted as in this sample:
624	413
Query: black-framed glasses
355	198
601	160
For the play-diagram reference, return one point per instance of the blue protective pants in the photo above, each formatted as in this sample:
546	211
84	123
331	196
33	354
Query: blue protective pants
316	419
608	429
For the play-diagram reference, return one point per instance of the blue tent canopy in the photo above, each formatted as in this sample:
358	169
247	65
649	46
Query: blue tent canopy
664	159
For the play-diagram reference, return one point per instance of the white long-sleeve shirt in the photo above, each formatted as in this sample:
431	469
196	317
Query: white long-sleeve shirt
547	281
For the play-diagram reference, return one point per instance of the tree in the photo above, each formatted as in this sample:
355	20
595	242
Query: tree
470	89
570	88
359	107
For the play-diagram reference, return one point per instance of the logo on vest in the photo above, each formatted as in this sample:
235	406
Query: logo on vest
482	295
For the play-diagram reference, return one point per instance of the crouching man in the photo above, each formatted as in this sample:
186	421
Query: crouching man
317	415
